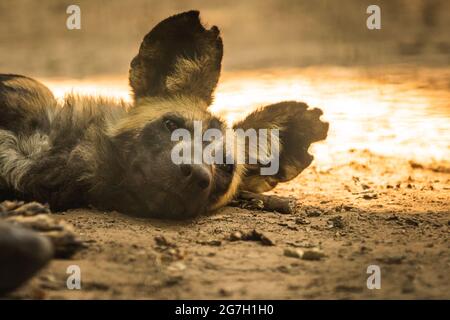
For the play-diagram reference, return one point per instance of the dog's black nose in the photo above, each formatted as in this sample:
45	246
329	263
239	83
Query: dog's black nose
197	174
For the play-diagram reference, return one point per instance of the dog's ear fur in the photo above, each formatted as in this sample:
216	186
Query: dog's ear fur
178	56
298	128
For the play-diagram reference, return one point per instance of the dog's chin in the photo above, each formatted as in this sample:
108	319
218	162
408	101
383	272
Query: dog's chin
167	206
175	210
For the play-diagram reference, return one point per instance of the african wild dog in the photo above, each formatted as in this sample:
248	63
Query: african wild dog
102	152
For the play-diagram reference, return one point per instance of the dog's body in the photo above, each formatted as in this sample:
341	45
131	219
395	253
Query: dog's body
101	152
48	151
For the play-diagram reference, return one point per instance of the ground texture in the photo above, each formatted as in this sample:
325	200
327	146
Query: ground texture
366	210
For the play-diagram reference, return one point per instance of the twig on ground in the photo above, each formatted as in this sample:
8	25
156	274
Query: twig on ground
255	201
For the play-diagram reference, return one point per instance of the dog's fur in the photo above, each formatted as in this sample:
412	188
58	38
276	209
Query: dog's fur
102	152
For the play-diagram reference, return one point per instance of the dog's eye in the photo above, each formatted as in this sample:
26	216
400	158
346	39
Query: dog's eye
228	168
171	125
227	165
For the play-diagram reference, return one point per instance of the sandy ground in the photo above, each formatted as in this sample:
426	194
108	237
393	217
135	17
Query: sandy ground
365	210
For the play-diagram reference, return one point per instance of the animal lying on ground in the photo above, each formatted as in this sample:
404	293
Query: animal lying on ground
104	153
101	152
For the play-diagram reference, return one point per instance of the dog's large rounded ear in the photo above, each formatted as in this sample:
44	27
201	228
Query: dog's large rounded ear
298	127
178	56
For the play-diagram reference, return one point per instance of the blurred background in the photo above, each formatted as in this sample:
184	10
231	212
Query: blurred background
270	33
386	91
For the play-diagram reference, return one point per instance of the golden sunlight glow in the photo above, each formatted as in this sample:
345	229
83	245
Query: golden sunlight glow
392	115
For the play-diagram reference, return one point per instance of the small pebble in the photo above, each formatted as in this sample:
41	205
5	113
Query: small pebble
302	221
311	255
313	213
236	236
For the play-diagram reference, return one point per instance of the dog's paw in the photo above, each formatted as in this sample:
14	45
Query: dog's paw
37	217
62	235
20	208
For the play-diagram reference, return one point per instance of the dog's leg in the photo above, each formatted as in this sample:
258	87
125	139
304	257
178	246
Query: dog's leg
37	217
22	253
29	237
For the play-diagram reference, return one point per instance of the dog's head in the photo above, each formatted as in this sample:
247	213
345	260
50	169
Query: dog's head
173	78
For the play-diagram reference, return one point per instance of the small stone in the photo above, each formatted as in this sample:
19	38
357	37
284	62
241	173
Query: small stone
225	292
313	213
214	243
311	255
412	222
173	254
302	220
173	280
293	253
336	222
258	236
176	267
392	218
164	242
253	235
365	186
283	269
302	244
236	236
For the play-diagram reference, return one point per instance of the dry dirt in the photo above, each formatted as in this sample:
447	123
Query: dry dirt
393	213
